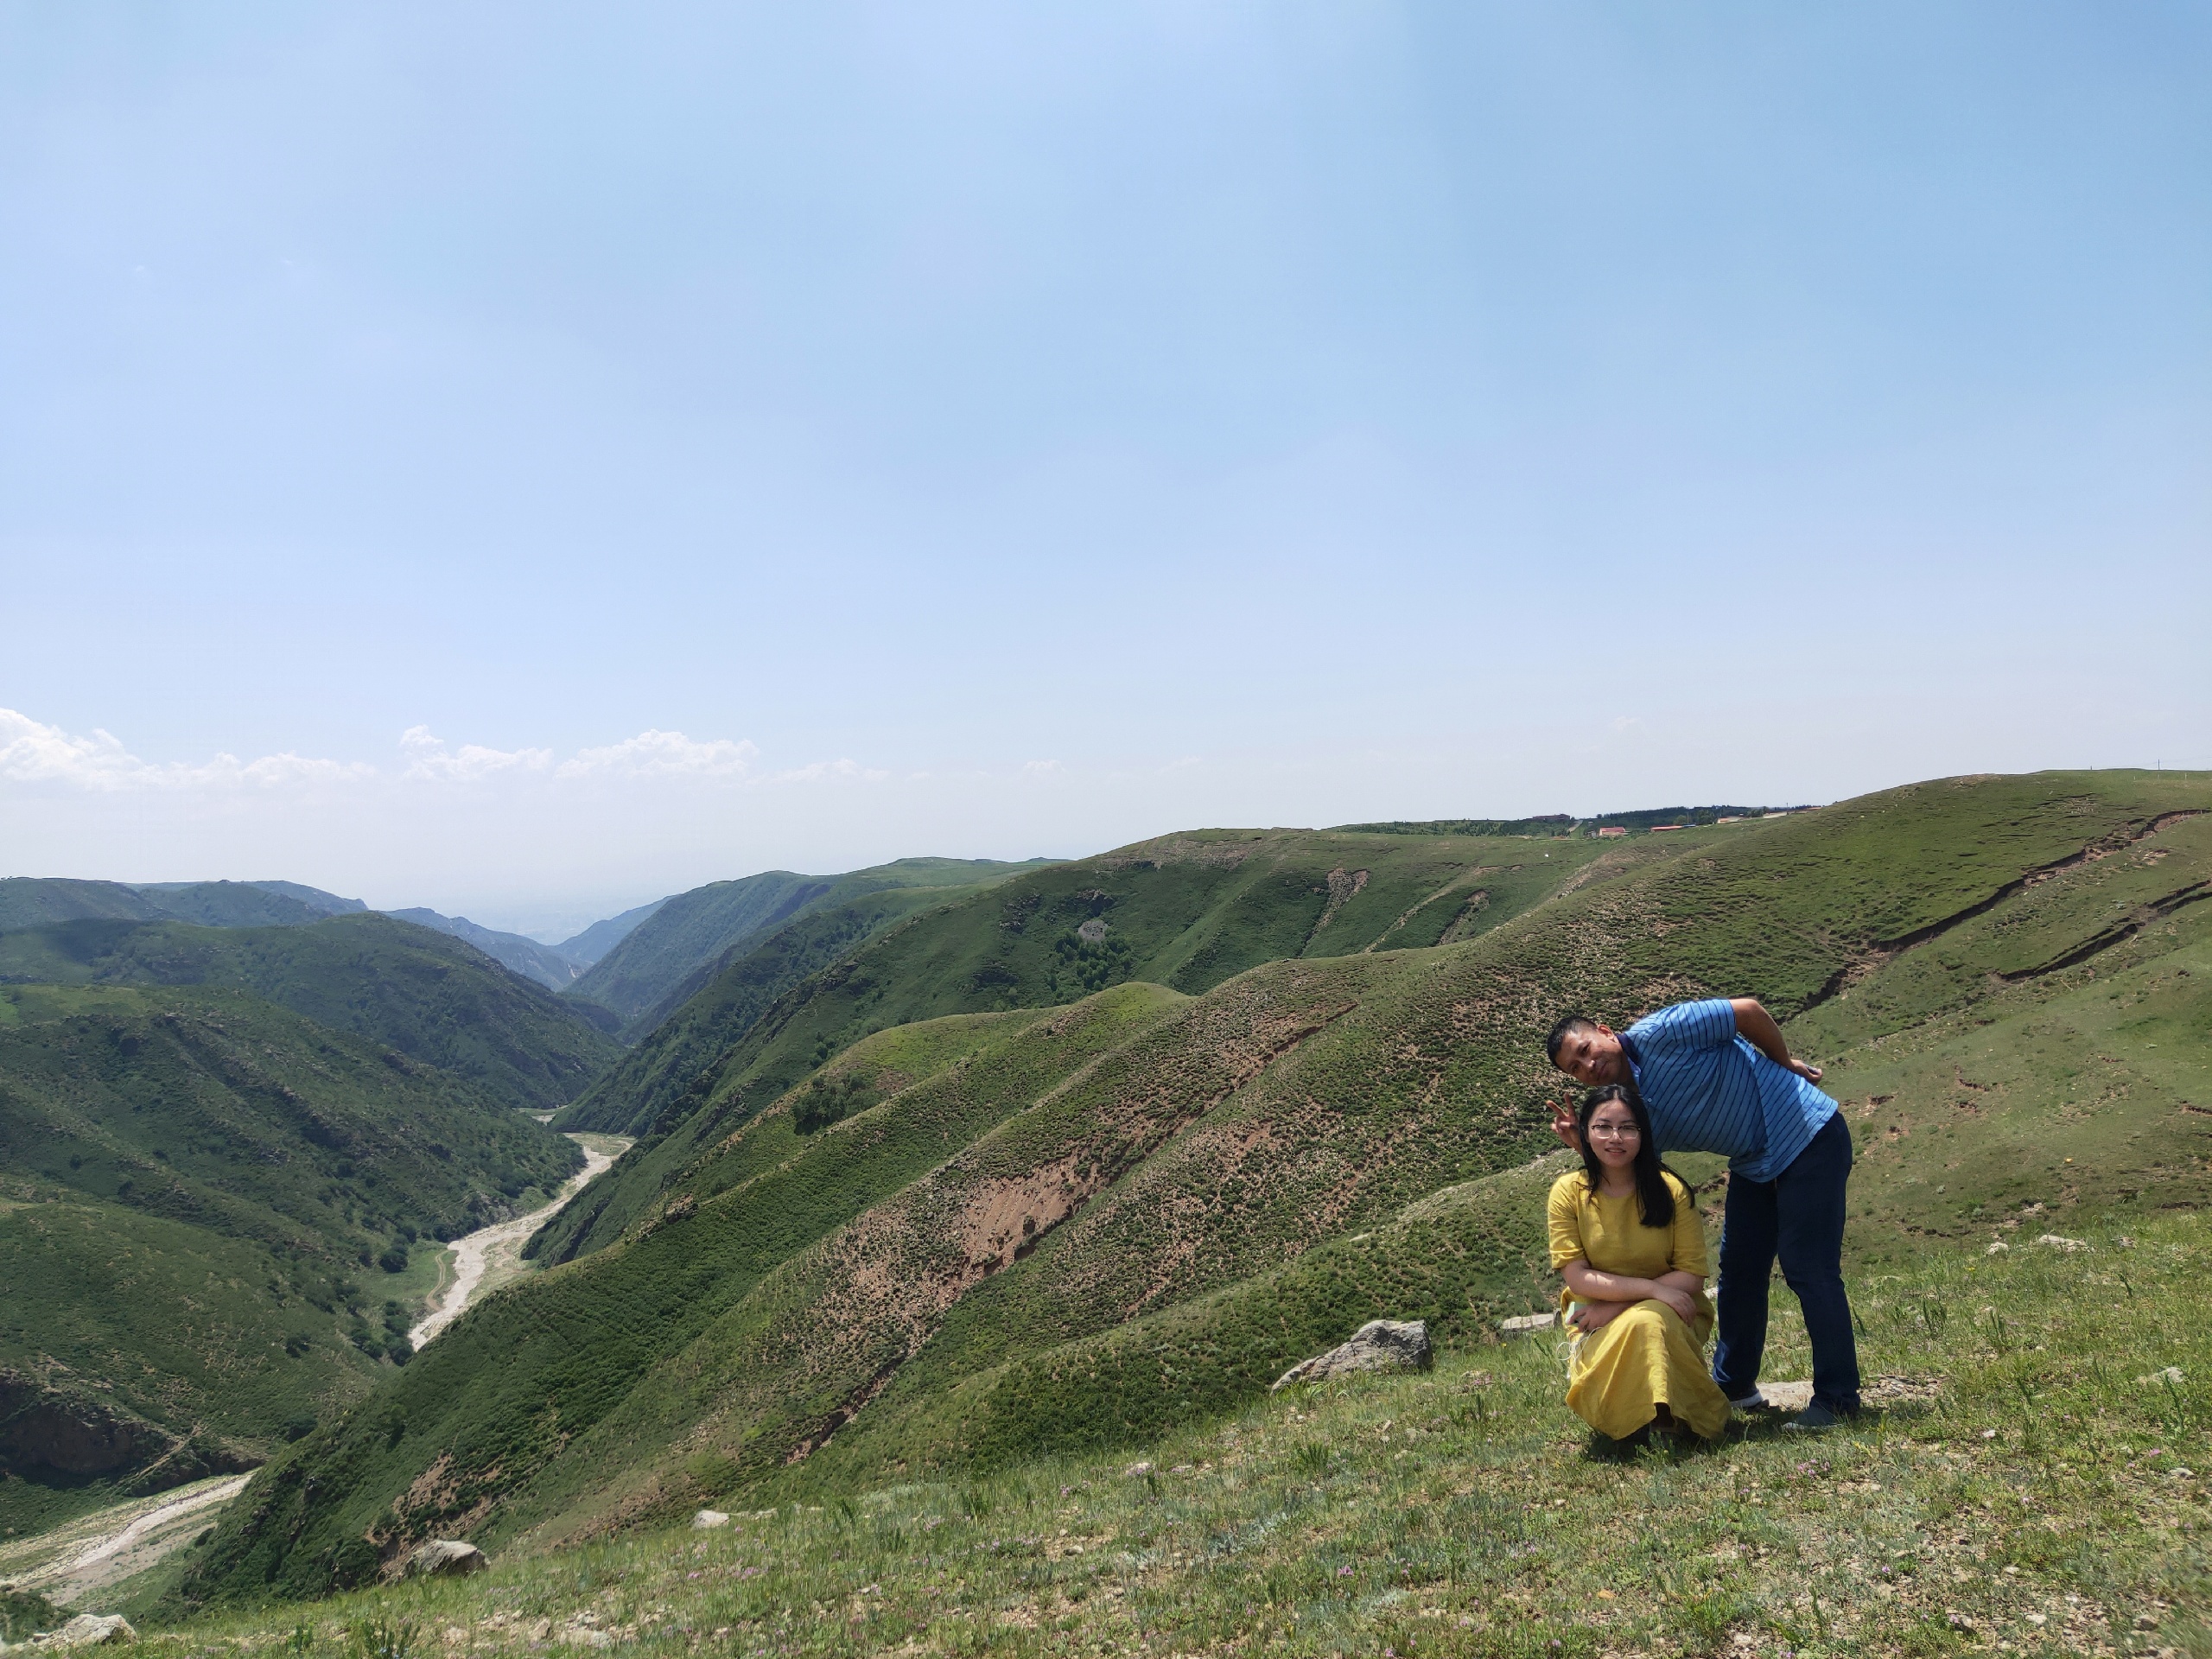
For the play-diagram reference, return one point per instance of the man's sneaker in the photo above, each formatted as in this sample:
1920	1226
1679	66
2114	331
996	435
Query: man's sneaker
1752	1402
1814	1418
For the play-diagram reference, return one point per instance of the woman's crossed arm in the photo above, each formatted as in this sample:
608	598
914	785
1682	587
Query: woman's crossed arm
1605	1296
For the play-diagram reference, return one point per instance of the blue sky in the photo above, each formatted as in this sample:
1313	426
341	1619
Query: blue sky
527	459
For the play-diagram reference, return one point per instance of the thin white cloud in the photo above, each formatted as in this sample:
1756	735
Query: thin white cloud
824	770
32	751
427	757
664	754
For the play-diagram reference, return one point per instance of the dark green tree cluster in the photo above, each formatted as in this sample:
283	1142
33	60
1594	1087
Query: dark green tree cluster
1081	966
829	1100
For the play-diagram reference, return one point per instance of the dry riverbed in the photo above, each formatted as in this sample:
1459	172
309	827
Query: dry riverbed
491	1256
94	1552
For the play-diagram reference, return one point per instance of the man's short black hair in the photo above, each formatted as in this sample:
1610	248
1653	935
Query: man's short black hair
1568	1024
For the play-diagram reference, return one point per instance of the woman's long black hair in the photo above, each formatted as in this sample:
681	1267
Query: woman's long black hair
1653	1196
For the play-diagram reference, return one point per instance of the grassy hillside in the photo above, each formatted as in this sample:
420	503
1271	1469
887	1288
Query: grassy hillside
1185	911
434	999
2032	1483
182	1351
654	1078
670	955
202	1196
1149	1236
237	904
34	901
325	904
886	1064
511	1382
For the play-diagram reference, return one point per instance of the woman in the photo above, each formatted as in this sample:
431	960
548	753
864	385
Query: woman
1627	1239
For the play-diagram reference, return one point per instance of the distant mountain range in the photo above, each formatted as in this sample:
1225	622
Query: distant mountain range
36	901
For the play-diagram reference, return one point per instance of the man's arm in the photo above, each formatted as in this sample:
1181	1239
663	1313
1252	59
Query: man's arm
1755	1026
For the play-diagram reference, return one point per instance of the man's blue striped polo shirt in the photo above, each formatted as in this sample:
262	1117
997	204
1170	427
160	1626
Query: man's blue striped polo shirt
1708	1090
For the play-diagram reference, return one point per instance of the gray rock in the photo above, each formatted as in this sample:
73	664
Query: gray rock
707	1519
1527	1325
90	1631
1378	1345
446	1558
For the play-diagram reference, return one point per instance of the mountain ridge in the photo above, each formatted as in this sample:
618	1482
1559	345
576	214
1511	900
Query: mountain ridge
640	975
433	998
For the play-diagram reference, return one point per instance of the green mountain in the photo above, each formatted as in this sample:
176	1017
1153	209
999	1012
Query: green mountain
329	903
433	999
684	1047
967	1240
201	1194
29	901
1185	911
669	956
1559	823
33	901
36	901
245	904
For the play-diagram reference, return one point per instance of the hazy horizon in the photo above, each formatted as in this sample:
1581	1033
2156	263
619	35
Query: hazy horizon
524	464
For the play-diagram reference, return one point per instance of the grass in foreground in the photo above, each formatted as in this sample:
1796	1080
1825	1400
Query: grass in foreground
2035	1484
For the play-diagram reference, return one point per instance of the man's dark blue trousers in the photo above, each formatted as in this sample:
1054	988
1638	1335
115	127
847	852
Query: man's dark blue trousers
1796	1218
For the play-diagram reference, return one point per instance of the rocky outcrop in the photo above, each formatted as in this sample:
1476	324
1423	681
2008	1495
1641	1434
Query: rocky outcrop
446	1558
707	1520
46	1432
43	1431
1378	1345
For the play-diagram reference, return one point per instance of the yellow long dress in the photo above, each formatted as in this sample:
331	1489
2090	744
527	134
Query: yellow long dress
1618	1374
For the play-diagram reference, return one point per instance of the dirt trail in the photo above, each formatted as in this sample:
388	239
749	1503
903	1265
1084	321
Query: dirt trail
491	1256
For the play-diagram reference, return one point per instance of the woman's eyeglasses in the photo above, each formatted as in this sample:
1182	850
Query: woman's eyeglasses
1615	1131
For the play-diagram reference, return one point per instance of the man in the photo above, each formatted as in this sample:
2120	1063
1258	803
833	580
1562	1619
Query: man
1717	1076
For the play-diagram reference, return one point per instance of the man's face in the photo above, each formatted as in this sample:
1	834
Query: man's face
1592	1056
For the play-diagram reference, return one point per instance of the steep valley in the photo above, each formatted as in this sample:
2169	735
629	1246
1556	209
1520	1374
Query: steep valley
227	1158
